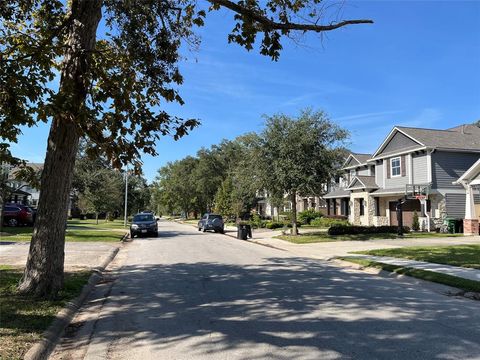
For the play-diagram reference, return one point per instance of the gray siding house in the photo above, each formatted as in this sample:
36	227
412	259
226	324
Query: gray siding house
410	156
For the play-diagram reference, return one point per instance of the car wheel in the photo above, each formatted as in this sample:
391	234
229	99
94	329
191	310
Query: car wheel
12	222
199	229
204	229
132	235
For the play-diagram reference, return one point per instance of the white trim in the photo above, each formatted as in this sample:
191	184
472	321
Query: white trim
474	170
384	164
410	168
399	166
429	166
389	136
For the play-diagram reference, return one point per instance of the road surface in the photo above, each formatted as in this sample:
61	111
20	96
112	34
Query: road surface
193	295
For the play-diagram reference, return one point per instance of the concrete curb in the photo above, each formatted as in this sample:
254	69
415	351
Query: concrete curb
43	349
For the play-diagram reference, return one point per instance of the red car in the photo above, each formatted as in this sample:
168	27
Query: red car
15	215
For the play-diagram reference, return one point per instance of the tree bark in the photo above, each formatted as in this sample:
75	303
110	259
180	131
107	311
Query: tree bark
294	212
43	275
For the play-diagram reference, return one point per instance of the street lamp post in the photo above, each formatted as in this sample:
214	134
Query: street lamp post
126	199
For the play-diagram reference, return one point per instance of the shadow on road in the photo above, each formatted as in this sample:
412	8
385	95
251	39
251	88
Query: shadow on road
296	307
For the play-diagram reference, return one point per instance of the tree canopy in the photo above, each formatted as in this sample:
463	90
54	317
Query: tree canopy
108	81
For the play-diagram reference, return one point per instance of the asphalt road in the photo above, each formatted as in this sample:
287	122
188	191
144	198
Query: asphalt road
192	295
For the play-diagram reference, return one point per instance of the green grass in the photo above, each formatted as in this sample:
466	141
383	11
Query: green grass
23	319
456	255
73	235
464	284
421	235
102	224
316	237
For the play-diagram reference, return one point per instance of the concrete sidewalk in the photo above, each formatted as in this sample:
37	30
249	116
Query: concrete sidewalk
78	255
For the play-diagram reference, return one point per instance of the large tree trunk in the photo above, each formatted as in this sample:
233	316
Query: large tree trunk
43	276
294	213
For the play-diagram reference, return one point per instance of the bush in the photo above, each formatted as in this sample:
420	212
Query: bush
256	222
305	217
415	222
274	225
279	224
355	230
328	222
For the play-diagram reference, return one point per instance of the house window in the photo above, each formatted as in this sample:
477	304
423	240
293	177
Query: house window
362	206
395	167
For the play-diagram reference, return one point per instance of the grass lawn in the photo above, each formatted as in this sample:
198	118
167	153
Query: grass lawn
464	284
420	235
455	255
102	224
76	234
23	319
324	237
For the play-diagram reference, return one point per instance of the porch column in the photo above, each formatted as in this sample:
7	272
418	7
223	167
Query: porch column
328	206
470	223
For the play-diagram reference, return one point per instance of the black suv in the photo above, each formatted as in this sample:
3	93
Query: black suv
211	222
144	224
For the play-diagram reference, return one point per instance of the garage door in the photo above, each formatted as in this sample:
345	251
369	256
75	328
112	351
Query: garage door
408	208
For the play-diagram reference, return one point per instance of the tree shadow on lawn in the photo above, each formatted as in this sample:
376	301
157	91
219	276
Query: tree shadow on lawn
294	308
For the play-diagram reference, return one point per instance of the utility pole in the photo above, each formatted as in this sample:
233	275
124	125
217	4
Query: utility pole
126	198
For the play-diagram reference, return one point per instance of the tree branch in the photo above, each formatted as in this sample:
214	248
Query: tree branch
269	24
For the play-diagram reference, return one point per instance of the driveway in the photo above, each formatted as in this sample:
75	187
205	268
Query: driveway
193	295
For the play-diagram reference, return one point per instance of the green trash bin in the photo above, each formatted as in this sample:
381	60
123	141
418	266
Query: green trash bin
451	225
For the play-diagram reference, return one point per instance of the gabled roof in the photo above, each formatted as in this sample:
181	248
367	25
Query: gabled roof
338	193
356	160
363	182
464	137
470	174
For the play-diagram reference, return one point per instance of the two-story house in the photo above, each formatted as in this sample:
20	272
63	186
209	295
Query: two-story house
407	156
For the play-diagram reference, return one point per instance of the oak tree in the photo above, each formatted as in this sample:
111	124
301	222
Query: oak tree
299	155
109	84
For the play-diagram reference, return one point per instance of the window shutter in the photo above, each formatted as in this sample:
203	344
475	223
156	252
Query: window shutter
402	165
388	168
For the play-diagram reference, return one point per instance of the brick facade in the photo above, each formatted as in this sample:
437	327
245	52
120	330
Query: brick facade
471	227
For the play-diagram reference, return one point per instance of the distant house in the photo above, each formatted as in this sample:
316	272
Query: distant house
372	185
34	193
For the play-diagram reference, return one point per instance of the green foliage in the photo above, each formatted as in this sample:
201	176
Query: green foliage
354	230
224	199
98	187
275	225
306	216
133	70
326	222
415	222
299	154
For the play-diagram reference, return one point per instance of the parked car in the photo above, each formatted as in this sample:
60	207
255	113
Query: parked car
211	222
15	215
144	224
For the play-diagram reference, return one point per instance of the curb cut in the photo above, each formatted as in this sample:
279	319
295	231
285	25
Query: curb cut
42	349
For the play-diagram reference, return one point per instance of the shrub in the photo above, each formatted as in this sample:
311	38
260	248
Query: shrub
355	230
306	216
415	222
328	222
279	224
274	225
256	222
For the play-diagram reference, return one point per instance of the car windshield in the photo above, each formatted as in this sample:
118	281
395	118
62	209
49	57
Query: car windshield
214	217
143	217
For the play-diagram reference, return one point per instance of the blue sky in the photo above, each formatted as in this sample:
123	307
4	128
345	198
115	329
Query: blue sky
418	65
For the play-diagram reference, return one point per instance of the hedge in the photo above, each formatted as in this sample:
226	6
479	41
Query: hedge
306	216
328	222
354	230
